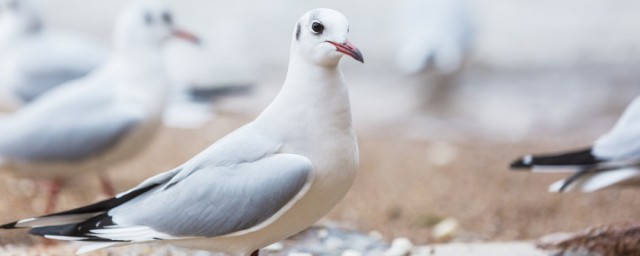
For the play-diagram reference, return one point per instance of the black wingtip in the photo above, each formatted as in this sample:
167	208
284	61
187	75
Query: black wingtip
11	225
60	230
102	206
79	232
583	157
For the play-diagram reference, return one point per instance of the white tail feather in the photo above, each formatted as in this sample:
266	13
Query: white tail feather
606	179
599	180
64	238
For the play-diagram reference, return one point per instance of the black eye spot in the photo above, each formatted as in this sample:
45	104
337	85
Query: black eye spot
148	18
317	27
167	18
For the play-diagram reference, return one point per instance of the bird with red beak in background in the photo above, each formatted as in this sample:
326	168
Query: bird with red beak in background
89	124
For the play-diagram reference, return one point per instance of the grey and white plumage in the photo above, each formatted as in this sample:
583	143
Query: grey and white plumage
101	119
34	58
614	158
262	183
76	122
433	35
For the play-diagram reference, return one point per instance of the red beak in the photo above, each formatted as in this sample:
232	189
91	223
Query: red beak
349	49
186	35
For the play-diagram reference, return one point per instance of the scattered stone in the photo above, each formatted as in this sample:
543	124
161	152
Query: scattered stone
274	247
331	239
376	235
351	253
479	249
400	247
299	254
445	230
609	240
323	233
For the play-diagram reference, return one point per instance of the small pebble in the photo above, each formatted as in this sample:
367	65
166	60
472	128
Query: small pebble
351	253
442	153
299	254
376	235
274	247
445	230
399	247
332	243
322	233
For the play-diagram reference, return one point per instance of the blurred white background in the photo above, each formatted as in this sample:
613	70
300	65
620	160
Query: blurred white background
537	66
511	33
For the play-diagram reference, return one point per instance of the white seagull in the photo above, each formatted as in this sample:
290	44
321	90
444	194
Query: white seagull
434	35
262	183
614	159
92	123
34	59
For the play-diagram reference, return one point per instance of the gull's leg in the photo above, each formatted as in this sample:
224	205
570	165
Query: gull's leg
107	187
256	253
573	178
52	197
53	187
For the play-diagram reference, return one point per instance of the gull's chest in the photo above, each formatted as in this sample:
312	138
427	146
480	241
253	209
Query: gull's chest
335	159
323	145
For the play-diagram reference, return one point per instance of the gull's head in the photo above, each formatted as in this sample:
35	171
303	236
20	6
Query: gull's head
148	25
20	16
322	37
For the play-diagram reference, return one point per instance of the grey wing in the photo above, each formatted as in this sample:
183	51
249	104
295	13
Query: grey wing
65	133
53	59
37	82
209	202
228	199
623	141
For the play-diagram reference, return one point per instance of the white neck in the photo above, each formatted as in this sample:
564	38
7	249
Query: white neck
310	94
136	52
142	78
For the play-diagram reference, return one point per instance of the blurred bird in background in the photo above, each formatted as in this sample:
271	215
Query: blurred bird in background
34	58
434	35
91	123
434	40
198	82
614	159
221	68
